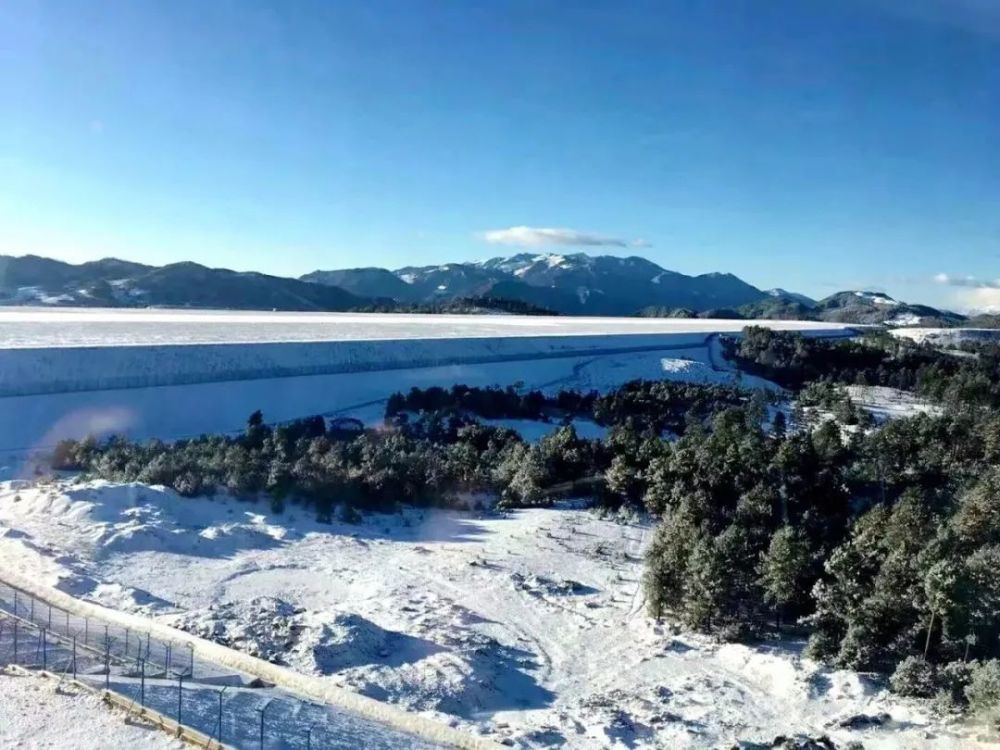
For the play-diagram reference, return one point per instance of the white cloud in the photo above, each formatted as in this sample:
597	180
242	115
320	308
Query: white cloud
973	295
984	299
542	236
970	282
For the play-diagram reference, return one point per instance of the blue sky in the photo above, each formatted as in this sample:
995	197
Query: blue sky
813	145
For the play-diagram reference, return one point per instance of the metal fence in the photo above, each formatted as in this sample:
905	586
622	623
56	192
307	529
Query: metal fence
223	707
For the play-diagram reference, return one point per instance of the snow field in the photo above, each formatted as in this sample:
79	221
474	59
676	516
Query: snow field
34	713
948	336
890	403
527	628
27	327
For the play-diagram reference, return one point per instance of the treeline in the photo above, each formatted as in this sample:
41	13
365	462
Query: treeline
440	455
305	462
491	402
657	406
458	306
792	360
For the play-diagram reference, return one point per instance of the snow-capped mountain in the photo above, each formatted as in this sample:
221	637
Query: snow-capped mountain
780	293
860	306
573	283
31	280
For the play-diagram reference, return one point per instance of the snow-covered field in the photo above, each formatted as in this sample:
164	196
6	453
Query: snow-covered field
948	336
47	327
890	403
528	627
35	714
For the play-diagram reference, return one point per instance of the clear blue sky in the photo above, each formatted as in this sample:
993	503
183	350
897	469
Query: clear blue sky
814	145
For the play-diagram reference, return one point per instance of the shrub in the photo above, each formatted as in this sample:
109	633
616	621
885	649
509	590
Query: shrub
953	680
983	690
913	677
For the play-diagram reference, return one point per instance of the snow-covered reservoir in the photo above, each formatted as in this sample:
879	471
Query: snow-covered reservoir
57	351
29	327
174	374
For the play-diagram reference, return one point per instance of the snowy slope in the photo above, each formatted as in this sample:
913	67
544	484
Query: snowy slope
527	627
948	336
33	714
890	403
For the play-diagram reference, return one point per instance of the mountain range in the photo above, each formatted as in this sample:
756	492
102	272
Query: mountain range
575	284
571	284
32	280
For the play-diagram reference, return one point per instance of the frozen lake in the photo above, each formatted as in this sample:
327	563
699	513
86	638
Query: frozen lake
28	327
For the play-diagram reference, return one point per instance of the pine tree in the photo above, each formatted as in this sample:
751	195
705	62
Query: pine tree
779	426
784	570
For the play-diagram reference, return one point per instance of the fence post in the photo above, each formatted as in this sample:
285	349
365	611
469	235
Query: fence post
107	664
74	657
219	733
180	695
126	643
15	640
45	660
142	682
261	711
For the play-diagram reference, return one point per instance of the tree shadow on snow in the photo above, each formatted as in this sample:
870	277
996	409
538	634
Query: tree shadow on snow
354	641
414	525
498	681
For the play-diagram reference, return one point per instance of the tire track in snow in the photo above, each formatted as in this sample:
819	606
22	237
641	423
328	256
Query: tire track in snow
637	605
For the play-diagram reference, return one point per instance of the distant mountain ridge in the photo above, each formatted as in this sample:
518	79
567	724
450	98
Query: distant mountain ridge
111	282
574	284
858	307
570	284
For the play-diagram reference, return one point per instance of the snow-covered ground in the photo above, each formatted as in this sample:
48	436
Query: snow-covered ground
35	714
948	336
47	327
528	626
890	403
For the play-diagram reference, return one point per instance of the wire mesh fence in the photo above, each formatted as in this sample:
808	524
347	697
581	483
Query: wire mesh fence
225	707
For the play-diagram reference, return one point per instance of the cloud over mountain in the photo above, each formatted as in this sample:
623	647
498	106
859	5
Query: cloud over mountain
522	236
974	294
970	282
